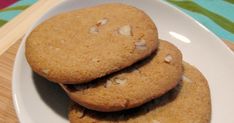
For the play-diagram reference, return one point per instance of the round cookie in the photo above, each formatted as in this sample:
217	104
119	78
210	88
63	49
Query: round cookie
133	86
189	102
82	45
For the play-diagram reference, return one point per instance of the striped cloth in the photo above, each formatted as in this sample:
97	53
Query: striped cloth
10	8
216	15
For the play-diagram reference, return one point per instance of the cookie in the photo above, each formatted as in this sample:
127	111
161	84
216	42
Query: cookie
189	102
82	45
133	86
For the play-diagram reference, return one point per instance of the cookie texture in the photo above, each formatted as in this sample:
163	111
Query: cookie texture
82	45
133	86
188	102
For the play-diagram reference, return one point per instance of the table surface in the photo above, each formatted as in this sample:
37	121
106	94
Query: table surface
10	37
7	112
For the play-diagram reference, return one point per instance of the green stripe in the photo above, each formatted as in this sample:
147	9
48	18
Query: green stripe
15	8
220	20
230	1
2	22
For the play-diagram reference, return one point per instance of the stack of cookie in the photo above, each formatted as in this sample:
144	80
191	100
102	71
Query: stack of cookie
110	62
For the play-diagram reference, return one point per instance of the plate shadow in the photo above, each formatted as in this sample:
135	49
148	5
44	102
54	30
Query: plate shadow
53	95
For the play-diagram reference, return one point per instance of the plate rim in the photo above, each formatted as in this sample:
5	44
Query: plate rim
201	25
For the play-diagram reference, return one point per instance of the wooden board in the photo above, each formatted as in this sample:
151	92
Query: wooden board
16	28
9	34
7	112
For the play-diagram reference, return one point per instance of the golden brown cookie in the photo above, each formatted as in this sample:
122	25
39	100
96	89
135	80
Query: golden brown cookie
133	86
189	102
82	45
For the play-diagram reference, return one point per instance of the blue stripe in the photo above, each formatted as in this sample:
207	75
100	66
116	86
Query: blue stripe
220	7
8	15
219	31
23	2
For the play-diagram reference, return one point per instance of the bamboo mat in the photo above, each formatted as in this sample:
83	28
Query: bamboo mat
7	112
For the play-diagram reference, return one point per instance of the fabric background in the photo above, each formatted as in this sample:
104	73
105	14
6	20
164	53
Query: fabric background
10	8
216	15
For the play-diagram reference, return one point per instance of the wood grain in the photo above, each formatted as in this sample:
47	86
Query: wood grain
7	113
17	27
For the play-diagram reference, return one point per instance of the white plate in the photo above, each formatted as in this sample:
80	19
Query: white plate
38	101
